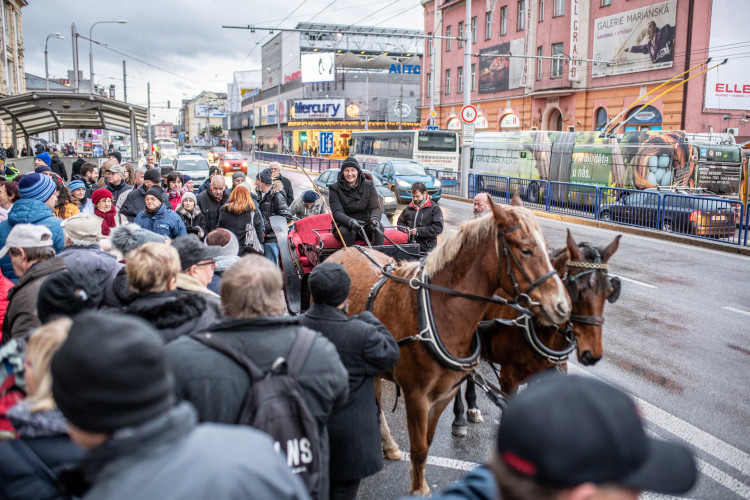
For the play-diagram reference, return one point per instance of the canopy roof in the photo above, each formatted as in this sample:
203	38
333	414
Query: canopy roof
40	111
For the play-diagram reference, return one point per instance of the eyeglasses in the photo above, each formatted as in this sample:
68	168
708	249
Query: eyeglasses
211	263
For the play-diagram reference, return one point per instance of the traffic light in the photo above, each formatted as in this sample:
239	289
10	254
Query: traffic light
253	133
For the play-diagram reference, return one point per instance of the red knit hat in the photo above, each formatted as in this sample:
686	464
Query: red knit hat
99	194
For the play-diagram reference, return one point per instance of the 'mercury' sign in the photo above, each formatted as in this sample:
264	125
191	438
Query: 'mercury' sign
319	109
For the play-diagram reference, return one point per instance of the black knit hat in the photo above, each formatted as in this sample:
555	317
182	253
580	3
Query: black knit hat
350	162
152	175
66	293
329	284
117	155
265	176
111	373
156	191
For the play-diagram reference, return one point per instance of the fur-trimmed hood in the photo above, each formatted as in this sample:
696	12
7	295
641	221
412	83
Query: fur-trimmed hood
181	210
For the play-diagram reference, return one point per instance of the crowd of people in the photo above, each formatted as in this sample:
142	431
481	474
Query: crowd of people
134	313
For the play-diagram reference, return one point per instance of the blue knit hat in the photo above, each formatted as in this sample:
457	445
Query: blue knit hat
76	184
44	157
42	168
309	196
36	187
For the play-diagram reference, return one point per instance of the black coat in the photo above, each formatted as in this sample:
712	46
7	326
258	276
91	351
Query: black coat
135	202
21	480
359	202
273	203
429	223
58	167
210	208
288	189
77	167
366	348
117	293
237	224
173	313
195	221
118	189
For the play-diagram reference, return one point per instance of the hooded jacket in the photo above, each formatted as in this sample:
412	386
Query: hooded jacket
164	222
29	211
299	210
100	266
359	202
273	202
428	219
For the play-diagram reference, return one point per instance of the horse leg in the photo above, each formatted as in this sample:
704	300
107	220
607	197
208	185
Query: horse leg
459	427
416	416
390	447
473	414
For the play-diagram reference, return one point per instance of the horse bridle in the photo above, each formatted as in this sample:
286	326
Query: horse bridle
571	285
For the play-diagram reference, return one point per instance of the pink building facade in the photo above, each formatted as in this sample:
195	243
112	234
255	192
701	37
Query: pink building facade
163	130
641	44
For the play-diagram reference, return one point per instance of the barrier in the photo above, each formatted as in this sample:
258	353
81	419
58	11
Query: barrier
450	180
310	163
696	215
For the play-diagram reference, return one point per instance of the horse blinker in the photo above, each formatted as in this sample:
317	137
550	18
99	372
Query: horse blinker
616	285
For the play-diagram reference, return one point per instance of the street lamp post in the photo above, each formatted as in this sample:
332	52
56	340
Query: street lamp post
46	67
91	47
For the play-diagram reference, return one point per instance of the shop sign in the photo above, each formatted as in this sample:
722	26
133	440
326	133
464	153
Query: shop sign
323	109
413	69
454	124
509	121
481	122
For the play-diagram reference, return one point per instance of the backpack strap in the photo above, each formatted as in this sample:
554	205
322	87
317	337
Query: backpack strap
216	343
298	354
33	459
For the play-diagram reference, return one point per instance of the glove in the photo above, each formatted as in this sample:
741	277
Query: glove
355	226
374	222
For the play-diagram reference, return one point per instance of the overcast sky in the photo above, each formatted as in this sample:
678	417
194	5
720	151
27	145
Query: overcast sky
183	43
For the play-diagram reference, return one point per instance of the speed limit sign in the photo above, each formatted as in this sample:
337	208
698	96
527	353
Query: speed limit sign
468	113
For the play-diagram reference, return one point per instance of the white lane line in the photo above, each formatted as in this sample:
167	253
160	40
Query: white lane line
631	280
738	311
448	463
702	440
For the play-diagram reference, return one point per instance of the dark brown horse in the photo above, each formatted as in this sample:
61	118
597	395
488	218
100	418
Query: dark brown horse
503	251
584	271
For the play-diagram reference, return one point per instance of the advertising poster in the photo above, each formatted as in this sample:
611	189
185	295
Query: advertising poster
497	71
635	40
318	67
210	111
728	86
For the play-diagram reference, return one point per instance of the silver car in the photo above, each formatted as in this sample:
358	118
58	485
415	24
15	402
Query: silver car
195	166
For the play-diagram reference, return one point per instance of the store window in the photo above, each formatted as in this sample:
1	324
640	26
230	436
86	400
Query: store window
521	14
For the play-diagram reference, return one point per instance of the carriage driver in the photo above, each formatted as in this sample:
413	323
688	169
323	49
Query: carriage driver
355	204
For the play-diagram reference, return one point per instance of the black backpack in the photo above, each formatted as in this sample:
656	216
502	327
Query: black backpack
274	404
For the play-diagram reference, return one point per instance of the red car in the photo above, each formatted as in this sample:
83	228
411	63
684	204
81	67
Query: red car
231	162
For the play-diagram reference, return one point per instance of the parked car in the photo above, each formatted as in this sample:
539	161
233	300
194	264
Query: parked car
195	166
166	160
231	162
700	214
213	154
399	175
387	199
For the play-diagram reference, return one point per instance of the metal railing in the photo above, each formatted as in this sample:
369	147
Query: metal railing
450	180
692	214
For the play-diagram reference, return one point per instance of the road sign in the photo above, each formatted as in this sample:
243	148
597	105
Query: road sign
433	113
433	127
326	143
467	134
469	113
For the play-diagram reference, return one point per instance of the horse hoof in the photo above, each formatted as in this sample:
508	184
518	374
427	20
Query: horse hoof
474	416
393	454
459	430
424	491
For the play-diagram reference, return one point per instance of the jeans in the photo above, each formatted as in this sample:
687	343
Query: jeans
271	251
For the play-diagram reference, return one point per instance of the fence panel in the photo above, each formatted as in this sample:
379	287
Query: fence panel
702	217
746	225
533	192
450	180
494	185
580	200
630	207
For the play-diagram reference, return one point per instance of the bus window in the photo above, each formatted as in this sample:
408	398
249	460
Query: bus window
437	142
377	146
393	150
404	150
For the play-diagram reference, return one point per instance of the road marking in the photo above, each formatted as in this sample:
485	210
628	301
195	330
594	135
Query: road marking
631	280
688	433
448	463
738	311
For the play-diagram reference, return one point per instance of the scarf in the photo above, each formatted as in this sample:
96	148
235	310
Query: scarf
109	219
425	203
41	423
175	194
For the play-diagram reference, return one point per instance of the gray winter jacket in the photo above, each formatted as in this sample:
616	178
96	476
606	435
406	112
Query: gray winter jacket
170	457
93	262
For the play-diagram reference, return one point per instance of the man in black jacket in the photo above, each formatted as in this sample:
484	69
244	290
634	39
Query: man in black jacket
366	348
256	326
211	200
116	181
136	198
422	219
77	166
272	202
355	204
288	190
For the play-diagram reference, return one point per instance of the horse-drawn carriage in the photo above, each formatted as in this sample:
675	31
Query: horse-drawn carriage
495	270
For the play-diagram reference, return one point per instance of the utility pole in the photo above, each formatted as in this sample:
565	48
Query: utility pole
124	83
432	78
465	150
74	39
367	98
278	117
148	89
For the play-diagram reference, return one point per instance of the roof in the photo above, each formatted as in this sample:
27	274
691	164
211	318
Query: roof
42	111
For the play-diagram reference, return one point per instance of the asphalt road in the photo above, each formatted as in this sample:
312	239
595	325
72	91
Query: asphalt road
678	341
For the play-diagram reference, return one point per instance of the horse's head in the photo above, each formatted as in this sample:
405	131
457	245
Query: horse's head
584	271
525	272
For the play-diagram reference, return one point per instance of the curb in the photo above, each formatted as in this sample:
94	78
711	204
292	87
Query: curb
639	231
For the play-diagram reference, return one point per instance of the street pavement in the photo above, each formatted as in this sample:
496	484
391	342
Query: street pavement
677	341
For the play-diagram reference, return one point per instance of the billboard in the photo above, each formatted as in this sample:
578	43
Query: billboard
318	67
728	86
318	109
271	62
497	71
635	40
210	110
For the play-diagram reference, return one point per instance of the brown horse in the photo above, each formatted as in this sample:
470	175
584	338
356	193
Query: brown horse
504	251
584	271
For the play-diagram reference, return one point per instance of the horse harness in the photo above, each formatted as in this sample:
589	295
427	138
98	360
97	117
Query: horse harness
571	284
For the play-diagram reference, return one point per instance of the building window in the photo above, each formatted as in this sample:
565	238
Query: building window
448	41
447	81
557	51
539	63
474	30
503	20
601	118
460	34
606	3
460	79
429	43
429	85
473	76
521	14
559	8
541	10
488	25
